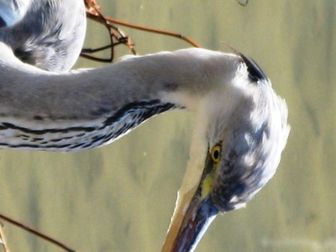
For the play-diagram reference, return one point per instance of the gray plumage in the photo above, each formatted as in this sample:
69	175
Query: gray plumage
240	128
46	33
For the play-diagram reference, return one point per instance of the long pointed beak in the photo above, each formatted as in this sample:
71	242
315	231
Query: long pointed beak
195	215
196	221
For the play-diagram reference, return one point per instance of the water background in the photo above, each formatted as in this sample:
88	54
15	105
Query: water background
121	197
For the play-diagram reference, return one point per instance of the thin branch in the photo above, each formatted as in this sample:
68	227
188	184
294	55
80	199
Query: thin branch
37	233
117	36
157	31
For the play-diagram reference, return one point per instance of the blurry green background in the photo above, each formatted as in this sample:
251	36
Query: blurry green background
121	197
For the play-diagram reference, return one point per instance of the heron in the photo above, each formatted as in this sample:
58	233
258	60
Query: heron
240	128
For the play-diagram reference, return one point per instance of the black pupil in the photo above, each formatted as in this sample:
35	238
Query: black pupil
216	154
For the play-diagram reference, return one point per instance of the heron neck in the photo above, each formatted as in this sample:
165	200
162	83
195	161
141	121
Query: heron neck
88	108
183	77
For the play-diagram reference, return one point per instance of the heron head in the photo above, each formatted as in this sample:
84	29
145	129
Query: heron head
245	133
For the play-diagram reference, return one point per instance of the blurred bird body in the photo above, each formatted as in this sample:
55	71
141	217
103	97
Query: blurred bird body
48	34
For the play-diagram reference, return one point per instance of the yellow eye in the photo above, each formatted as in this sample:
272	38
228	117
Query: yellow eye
215	153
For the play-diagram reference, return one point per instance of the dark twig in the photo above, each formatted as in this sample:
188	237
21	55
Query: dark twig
37	233
117	36
147	29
